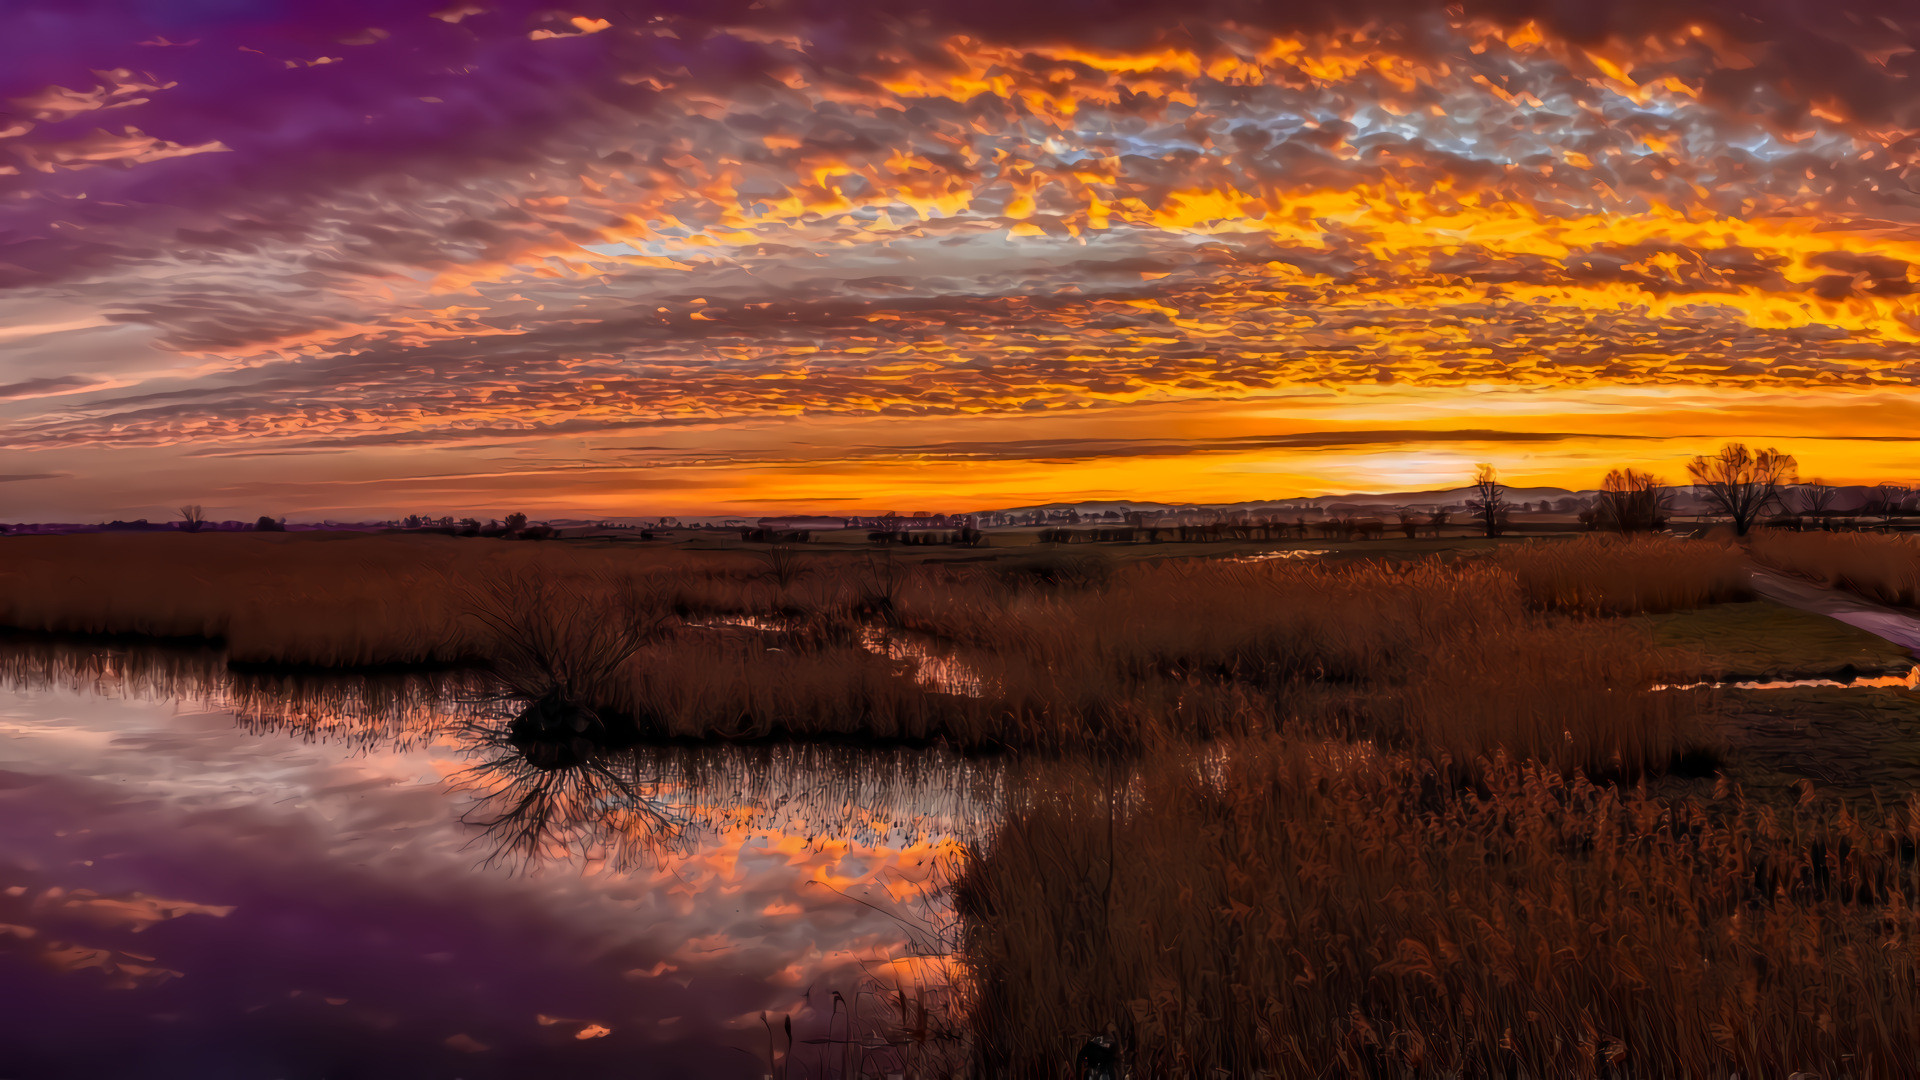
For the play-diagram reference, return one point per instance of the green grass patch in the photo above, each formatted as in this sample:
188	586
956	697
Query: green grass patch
1855	741
1764	640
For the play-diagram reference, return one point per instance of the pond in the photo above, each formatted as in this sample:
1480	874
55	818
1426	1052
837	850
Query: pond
209	874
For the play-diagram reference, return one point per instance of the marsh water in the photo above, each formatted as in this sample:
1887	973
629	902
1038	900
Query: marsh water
208	874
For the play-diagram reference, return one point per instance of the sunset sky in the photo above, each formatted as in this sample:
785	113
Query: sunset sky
370	257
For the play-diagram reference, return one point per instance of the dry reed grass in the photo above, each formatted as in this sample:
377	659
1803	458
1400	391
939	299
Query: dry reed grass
1445	658
314	599
1627	575
1441	657
1881	567
1323	910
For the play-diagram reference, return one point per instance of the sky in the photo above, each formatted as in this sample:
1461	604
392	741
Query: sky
371	257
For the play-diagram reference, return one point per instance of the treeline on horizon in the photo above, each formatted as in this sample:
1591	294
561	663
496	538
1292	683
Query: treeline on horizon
1740	485
1747	487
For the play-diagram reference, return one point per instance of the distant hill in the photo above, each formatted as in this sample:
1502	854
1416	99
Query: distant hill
1849	499
1447	497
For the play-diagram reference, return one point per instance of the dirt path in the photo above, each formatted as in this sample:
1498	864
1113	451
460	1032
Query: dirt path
1896	626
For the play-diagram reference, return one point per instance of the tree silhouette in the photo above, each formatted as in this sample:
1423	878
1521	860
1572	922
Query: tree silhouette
1741	483
1817	496
1891	497
192	518
1634	501
1489	502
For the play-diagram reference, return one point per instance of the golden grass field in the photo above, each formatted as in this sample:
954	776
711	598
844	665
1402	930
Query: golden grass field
1882	567
1299	909
1063	651
1418	816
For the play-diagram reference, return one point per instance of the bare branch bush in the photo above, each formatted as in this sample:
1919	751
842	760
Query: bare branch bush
565	636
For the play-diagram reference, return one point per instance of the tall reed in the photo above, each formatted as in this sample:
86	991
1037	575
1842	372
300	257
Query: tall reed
1449	657
1880	567
1632	575
1326	910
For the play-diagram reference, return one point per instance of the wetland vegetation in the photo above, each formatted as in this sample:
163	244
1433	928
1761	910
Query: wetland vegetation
1457	810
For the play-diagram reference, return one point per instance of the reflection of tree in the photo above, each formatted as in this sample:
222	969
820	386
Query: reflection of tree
596	805
536	796
639	804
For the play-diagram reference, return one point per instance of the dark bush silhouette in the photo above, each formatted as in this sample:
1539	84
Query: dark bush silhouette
1633	501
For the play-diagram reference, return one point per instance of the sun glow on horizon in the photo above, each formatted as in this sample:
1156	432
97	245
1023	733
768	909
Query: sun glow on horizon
730	262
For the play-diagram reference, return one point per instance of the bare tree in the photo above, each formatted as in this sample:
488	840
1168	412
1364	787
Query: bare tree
1489	501
1890	498
1634	501
192	518
1741	483
1816	496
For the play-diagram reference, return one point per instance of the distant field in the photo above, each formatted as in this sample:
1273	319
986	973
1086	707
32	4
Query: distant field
999	542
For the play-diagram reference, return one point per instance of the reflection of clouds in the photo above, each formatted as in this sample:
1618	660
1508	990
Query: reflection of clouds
135	911
750	217
292	821
42	924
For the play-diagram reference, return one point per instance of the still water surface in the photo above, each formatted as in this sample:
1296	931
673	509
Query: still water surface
204	876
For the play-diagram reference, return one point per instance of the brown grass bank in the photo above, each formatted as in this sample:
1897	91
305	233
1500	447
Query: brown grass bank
1056	652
